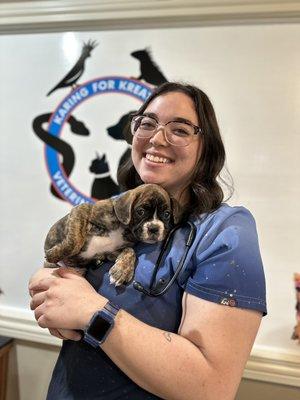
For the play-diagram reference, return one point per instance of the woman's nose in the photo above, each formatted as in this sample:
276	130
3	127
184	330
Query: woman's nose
159	138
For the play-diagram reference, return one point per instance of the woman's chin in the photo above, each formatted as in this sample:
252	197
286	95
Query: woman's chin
151	180
155	180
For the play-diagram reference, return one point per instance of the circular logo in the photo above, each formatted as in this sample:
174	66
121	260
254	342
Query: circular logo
111	84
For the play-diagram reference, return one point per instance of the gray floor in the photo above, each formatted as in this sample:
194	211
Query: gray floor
254	390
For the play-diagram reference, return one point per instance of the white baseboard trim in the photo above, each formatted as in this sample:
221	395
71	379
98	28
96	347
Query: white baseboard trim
20	324
265	363
274	365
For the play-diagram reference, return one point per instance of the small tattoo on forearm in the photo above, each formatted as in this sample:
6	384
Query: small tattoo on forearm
167	335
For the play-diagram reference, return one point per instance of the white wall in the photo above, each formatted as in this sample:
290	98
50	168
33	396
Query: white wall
250	72
251	75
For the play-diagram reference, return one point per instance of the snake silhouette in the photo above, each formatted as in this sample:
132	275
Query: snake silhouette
58	144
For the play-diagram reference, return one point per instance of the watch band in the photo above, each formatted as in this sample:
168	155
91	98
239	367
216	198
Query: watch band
106	315
111	308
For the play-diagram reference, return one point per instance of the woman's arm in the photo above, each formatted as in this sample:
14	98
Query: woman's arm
204	360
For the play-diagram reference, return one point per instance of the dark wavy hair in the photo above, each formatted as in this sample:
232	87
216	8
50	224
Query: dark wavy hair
205	189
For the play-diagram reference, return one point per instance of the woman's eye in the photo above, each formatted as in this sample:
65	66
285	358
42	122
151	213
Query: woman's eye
147	125
180	132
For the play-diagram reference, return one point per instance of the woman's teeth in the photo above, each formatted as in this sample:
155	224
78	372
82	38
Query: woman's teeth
157	159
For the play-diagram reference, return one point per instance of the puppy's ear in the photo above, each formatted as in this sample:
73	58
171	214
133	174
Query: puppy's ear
123	206
177	210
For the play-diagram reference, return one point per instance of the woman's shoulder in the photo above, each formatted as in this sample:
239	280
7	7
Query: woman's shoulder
234	226
226	262
225	215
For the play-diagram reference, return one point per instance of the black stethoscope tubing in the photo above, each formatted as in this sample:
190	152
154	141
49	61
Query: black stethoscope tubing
154	292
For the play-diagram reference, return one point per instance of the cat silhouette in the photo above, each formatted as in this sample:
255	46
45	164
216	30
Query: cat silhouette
103	185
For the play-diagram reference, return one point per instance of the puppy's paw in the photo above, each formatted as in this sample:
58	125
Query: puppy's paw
52	255
50	265
120	273
123	269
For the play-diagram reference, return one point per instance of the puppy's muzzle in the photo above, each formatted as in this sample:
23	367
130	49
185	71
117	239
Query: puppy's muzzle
153	232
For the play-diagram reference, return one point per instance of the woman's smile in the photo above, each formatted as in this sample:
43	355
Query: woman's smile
157	158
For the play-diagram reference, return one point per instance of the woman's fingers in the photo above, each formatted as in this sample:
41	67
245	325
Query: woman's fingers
55	332
65	301
41	284
41	274
37	299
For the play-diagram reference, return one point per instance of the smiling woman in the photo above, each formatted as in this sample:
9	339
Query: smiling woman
142	347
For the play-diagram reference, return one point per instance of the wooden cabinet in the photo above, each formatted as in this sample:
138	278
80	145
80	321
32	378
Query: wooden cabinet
5	347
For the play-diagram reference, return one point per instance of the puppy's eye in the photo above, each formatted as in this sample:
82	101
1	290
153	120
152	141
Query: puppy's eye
140	212
166	215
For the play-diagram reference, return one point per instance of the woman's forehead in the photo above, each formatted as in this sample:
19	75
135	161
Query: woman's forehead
173	104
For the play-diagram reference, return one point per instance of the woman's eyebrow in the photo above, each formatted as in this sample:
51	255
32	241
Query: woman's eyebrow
177	119
151	115
184	120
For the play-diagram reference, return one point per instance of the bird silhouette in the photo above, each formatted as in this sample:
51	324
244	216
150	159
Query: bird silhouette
149	70
75	73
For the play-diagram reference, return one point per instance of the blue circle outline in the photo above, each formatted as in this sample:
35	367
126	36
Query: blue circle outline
115	84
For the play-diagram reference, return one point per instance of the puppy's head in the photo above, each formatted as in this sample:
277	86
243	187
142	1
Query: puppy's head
147	211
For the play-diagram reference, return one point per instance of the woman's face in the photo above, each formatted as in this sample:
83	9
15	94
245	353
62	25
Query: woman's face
175	166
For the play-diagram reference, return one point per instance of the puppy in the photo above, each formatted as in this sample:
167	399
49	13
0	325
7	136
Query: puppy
109	228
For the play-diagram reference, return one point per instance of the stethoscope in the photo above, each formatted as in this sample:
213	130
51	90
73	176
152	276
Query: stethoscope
154	292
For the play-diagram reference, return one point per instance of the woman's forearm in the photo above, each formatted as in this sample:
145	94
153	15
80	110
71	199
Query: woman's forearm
162	363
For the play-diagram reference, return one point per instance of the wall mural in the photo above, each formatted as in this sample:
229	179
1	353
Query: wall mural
60	156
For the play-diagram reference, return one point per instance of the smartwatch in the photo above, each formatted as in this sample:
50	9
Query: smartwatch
100	325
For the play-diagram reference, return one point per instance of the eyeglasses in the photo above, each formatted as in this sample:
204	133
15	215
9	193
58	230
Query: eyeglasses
176	133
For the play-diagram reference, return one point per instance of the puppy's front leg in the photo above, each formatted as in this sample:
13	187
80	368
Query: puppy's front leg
123	269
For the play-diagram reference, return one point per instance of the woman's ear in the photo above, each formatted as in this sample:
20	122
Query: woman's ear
123	206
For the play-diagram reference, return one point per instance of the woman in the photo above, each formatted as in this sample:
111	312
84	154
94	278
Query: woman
193	341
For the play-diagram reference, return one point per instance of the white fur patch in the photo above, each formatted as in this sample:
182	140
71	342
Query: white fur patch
104	244
159	224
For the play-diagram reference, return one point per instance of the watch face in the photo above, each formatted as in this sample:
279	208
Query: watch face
98	328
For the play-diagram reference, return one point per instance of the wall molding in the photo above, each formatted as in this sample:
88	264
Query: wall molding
20	324
65	15
265	364
274	365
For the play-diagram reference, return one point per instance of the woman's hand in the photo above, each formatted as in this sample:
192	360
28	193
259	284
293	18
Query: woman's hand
65	334
41	274
64	301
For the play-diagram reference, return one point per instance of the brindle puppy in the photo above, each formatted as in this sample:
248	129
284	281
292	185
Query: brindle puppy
109	228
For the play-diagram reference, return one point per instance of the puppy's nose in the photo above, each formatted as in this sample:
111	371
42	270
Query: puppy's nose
153	229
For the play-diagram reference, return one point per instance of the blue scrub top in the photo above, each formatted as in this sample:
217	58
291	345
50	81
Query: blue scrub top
223	265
